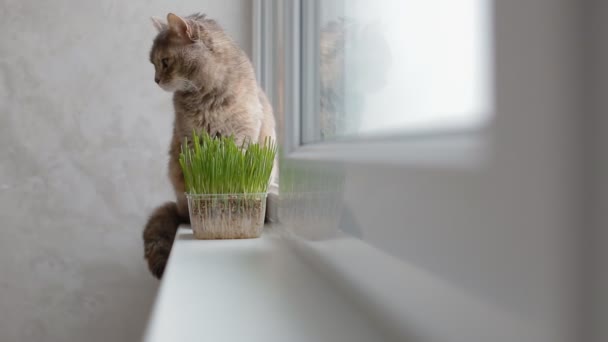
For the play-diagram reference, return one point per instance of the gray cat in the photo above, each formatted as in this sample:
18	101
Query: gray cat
215	90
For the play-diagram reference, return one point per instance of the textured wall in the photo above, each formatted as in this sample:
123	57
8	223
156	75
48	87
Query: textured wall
83	138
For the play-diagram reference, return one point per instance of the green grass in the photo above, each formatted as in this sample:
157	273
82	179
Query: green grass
219	166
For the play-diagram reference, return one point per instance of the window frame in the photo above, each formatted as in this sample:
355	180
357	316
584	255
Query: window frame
282	46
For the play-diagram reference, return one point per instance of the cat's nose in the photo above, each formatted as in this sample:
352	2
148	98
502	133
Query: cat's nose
157	80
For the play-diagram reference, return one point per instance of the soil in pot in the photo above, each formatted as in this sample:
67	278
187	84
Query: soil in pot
239	216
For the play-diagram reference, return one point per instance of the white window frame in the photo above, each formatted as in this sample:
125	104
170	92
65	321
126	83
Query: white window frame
281	47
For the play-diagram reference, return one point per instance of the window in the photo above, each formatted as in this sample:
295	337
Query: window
393	68
357	81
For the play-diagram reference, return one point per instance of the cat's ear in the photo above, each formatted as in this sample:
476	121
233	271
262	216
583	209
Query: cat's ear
179	26
158	23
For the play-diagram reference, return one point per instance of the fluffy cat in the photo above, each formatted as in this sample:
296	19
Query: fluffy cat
215	90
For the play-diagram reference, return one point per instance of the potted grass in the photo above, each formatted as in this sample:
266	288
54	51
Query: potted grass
226	186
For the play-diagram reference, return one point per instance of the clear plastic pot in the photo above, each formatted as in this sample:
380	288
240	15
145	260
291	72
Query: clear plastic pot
227	216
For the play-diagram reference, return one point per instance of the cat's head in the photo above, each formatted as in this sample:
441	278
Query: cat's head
182	53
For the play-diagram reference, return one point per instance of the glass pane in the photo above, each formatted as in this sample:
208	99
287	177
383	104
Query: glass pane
395	67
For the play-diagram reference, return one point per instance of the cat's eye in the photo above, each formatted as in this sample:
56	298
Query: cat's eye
165	62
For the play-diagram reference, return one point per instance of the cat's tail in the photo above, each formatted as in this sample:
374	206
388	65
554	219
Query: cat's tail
158	236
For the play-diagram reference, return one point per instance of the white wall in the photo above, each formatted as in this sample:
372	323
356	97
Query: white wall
84	132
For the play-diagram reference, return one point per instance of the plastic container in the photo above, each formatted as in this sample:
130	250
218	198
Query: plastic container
227	216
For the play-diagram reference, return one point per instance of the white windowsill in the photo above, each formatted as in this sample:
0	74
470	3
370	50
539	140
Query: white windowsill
249	290
467	150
